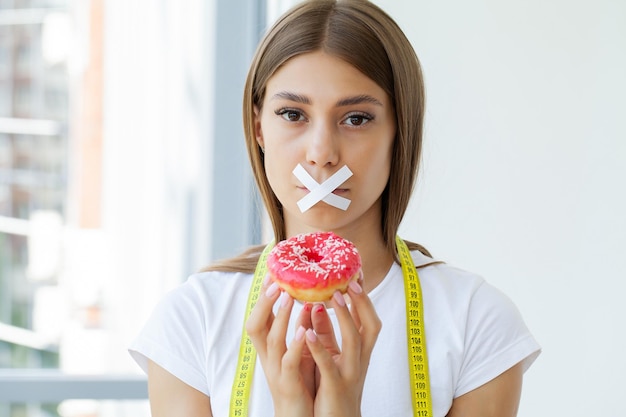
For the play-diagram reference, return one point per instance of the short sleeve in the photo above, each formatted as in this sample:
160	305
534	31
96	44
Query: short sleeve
172	338
496	339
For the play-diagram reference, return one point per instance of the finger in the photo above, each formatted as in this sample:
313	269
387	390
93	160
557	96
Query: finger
365	315
291	359
325	363
261	317
292	362
350	336
276	345
304	318
324	328
307	364
346	297
304	321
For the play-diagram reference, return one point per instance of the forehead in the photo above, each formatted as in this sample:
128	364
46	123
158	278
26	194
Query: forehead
321	75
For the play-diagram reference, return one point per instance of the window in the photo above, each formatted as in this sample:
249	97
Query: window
115	138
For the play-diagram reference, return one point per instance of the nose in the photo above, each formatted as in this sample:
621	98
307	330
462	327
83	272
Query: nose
322	146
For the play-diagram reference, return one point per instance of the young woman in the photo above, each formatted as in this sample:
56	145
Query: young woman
335	84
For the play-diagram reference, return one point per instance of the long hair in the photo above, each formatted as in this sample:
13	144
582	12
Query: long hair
363	35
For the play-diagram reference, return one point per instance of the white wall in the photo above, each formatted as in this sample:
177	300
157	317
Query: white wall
523	176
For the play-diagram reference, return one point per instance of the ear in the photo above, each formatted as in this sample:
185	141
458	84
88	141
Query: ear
258	132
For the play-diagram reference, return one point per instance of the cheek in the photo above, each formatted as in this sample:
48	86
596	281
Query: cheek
381	162
383	167
282	154
278	168
379	176
375	172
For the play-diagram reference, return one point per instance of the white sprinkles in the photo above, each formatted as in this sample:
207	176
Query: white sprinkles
323	254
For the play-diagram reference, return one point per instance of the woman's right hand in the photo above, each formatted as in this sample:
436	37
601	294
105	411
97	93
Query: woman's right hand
290	372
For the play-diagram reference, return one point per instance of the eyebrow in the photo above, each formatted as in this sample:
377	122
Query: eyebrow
348	101
286	95
363	98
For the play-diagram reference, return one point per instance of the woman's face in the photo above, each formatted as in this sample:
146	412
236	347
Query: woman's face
322	113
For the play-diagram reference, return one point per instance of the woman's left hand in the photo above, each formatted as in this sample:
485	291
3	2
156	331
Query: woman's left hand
341	372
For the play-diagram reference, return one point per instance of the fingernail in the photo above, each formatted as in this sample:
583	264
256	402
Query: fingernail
354	286
339	298
308	307
266	280
319	308
284	299
310	335
271	290
300	333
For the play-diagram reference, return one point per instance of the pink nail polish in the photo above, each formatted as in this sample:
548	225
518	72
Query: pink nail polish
354	286
284	299
300	333
311	336
271	290
319	308
339	298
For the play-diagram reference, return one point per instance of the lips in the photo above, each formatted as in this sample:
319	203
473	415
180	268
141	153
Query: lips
337	191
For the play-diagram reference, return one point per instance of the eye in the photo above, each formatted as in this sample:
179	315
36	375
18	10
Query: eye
357	119
291	115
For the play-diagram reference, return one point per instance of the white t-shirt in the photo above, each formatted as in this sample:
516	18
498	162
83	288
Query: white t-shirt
473	334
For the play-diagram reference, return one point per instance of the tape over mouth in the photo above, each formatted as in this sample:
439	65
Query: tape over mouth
324	191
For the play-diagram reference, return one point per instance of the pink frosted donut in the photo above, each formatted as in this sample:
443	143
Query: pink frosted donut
312	266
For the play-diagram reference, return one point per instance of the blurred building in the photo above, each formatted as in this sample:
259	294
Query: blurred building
34	108
50	153
121	172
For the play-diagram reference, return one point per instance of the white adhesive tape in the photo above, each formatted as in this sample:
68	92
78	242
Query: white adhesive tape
324	191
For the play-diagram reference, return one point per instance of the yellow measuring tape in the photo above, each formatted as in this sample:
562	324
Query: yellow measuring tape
416	336
416	340
240	396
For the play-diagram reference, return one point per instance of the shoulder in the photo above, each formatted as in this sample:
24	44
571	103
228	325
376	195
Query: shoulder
464	288
468	294
443	279
208	288
186	322
203	298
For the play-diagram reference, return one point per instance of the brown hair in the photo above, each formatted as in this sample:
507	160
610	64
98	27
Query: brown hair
363	35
